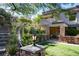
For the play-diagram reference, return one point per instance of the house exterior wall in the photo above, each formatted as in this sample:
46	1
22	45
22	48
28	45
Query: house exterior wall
77	17
62	30
58	24
47	30
62	37
63	18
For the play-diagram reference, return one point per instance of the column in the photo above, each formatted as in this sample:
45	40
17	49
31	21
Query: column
47	32
62	32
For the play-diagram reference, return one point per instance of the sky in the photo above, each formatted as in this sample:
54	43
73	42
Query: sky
68	5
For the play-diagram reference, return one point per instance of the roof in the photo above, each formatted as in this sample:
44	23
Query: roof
48	12
71	24
52	21
75	9
57	22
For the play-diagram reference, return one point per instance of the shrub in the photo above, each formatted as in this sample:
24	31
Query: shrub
12	44
26	39
12	49
71	31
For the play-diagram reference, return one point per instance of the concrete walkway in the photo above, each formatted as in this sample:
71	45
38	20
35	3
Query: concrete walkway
68	44
54	41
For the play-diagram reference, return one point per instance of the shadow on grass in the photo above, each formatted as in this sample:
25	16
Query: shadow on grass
47	44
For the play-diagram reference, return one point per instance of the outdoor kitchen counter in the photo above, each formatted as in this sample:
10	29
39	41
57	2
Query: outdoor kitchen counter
30	50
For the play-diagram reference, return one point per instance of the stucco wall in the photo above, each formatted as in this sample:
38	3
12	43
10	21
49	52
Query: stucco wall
77	17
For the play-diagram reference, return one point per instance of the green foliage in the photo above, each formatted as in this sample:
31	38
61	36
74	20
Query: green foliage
36	31
23	20
71	31
33	31
12	45
39	32
29	8
27	34
26	39
38	19
70	15
12	50
56	14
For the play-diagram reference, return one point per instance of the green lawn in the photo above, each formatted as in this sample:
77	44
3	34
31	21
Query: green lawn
61	50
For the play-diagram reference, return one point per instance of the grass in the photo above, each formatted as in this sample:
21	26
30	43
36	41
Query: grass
61	50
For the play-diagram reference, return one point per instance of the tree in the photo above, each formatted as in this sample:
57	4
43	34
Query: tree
29	8
37	19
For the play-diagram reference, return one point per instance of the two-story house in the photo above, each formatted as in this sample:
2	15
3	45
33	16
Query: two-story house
58	27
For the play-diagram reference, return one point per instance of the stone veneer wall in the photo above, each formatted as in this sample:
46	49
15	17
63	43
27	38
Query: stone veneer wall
70	39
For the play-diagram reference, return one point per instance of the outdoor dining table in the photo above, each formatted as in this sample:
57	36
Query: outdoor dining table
31	50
